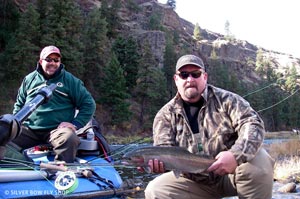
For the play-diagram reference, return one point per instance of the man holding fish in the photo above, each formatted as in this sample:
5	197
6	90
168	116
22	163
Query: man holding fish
212	121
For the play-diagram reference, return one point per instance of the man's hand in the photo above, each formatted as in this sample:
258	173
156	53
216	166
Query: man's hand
67	125
154	166
225	164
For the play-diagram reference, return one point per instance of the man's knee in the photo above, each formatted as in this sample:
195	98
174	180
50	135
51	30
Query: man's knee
261	168
256	177
72	138
64	136
162	186
150	190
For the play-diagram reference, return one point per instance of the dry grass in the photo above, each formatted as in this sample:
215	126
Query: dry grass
287	148
287	169
287	164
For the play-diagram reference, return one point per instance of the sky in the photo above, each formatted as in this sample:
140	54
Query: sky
270	24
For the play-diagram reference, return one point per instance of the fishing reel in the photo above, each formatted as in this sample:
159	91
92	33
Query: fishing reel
10	125
66	182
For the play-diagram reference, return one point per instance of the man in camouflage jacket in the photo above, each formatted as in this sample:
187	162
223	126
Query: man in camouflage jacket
211	121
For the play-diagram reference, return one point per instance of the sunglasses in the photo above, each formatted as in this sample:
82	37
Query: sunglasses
185	74
48	59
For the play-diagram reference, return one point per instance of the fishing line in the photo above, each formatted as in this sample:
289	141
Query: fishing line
284	99
34	169
259	90
255	91
269	107
121	150
17	161
125	148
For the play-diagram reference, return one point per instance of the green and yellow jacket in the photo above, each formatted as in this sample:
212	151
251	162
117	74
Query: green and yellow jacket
70	102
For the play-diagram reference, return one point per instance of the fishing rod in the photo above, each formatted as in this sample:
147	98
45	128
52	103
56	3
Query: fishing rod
284	99
10	125
122	149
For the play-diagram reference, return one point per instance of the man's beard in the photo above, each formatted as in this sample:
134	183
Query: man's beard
191	92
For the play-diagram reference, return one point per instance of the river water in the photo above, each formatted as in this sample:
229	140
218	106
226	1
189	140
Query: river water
142	178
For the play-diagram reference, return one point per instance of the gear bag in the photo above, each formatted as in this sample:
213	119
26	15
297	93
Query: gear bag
92	140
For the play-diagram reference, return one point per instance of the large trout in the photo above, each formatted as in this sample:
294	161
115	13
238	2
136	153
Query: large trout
174	158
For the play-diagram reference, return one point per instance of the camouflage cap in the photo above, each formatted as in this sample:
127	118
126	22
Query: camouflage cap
189	60
49	50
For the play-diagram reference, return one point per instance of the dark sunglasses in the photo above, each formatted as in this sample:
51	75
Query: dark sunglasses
48	59
185	74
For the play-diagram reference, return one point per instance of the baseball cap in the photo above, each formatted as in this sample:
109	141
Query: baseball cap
49	50
189	60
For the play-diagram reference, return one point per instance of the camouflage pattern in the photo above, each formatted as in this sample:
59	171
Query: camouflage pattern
226	122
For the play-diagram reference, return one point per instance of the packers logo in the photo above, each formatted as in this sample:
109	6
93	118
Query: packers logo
59	84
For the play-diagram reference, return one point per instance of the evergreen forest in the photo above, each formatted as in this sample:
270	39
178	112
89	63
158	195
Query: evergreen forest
124	77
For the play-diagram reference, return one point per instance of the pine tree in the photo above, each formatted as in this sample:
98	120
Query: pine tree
169	66
151	89
9	17
197	32
109	10
95	52
126	50
155	21
291	80
228	34
61	25
22	51
113	95
263	67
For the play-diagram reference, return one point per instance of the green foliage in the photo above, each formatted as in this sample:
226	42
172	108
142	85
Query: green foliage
151	90
109	10
9	16
126	50
169	66
114	94
263	66
95	55
155	21
132	6
61	25
22	48
88	41
220	74
197	32
291	80
260	62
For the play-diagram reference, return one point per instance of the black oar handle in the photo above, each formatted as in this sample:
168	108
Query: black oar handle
42	96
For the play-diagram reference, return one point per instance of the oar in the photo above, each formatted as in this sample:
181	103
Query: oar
7	175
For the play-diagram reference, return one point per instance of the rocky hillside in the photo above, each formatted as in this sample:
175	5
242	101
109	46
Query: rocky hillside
239	55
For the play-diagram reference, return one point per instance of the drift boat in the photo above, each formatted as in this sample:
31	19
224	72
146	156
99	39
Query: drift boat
37	175
90	176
